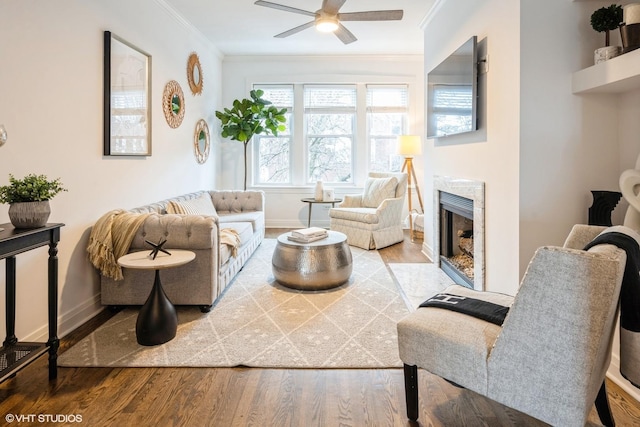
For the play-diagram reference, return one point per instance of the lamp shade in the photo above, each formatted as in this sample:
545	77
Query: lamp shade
409	145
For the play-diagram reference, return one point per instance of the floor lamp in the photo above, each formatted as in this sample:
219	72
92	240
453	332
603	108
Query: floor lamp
409	146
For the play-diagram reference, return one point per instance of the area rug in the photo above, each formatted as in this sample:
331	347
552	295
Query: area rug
259	323
419	281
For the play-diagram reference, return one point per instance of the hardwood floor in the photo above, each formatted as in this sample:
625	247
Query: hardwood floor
255	397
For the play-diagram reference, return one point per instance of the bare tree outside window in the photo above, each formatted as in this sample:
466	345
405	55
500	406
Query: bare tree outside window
387	107
325	146
330	113
272	157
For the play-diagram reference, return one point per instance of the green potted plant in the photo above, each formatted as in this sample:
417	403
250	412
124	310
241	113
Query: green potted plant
28	199
604	20
249	117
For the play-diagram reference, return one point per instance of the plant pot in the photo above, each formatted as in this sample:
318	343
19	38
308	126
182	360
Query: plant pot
606	53
630	35
29	214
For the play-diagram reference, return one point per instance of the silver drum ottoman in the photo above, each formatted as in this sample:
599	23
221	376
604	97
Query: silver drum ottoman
314	266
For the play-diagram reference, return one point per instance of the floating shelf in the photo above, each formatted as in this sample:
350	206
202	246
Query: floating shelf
620	74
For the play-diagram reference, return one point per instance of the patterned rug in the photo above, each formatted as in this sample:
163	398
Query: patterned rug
258	323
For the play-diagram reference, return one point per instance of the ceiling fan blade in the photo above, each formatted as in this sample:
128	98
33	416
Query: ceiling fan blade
374	15
332	7
295	30
345	35
285	8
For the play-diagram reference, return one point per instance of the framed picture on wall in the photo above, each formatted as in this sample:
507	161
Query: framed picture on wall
127	98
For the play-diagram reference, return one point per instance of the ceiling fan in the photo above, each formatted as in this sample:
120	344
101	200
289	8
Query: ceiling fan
328	18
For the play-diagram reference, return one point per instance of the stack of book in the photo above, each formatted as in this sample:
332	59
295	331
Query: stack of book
306	235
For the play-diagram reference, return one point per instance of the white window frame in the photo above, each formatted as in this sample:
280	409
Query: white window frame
390	110
360	147
255	144
332	110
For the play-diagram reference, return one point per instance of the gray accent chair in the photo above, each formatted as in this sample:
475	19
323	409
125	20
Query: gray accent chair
367	226
550	356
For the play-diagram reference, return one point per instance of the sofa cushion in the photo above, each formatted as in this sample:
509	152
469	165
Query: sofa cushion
363	215
198	206
376	190
256	219
245	232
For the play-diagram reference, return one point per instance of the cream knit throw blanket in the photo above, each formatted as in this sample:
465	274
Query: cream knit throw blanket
111	238
230	237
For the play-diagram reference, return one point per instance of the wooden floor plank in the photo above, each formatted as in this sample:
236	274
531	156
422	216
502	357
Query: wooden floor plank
261	397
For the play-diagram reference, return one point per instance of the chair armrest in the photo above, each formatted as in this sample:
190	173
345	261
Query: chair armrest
581	234
390	212
181	232
351	201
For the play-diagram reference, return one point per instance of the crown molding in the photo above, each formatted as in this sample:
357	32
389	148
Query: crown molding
431	13
181	20
323	58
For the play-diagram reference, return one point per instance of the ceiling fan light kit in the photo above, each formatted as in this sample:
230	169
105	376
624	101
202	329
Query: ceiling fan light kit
326	24
327	18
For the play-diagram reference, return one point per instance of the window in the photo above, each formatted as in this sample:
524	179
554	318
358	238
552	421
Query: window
386	119
273	159
336	133
329	113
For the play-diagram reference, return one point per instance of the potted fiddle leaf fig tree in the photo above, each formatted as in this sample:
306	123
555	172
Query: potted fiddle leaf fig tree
28	199
604	20
249	117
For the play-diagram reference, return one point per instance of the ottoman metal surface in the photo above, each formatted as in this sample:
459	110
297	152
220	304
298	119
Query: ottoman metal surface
314	266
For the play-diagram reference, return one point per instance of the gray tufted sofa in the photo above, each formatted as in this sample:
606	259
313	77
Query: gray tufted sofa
201	281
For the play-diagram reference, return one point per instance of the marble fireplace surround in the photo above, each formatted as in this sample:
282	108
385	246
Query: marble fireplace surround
469	189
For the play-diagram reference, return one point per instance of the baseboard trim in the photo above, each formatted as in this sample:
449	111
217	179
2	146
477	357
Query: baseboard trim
289	224
69	321
427	251
613	373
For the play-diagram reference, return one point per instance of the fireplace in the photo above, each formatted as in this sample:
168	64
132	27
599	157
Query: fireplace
459	230
456	238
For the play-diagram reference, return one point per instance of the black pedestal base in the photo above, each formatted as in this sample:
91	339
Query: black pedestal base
157	321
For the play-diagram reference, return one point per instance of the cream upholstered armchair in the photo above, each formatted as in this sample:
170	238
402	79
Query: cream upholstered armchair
373	220
549	357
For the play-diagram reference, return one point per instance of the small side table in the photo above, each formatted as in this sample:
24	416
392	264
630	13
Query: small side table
157	320
312	201
14	354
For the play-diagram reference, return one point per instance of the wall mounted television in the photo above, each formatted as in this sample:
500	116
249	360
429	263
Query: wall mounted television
452	93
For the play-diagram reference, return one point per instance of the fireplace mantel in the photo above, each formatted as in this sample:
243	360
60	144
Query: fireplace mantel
473	190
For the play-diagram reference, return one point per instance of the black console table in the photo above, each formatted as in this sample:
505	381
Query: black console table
15	355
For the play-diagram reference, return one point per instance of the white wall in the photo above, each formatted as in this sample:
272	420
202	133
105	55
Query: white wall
491	154
51	86
569	143
628	108
283	206
541	149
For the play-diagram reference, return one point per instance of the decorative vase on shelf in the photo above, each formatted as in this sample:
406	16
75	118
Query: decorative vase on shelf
630	28
605	20
606	53
630	35
29	214
319	194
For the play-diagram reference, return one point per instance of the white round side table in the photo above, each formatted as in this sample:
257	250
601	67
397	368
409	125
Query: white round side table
157	320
